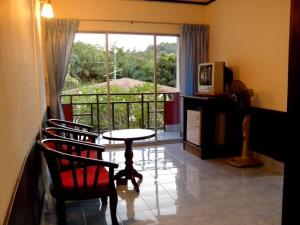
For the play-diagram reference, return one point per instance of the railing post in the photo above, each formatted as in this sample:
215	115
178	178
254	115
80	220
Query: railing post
92	119
148	115
164	109
142	105
113	114
98	114
127	109
71	102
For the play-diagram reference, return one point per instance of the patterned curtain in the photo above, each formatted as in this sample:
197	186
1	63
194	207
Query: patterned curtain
60	35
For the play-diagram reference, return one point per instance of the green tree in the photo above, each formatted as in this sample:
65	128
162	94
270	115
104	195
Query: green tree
71	83
164	48
135	64
166	70
87	62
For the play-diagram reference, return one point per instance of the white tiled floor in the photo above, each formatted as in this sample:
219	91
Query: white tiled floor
179	188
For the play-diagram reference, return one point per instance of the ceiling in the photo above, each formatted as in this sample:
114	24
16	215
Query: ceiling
199	2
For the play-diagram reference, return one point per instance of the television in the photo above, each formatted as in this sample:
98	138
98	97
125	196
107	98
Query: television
210	78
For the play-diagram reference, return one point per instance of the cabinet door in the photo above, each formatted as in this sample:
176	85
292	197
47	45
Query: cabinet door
193	127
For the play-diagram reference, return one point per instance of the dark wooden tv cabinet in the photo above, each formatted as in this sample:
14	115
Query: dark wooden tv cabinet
211	126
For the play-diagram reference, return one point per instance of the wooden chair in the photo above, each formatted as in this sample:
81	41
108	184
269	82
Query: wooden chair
69	124
75	135
75	177
71	134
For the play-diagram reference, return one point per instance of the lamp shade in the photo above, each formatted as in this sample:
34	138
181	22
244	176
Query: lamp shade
47	11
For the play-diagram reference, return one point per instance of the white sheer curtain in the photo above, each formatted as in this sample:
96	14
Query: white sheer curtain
60	35
193	50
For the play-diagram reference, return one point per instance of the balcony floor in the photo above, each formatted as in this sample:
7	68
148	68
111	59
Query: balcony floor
179	188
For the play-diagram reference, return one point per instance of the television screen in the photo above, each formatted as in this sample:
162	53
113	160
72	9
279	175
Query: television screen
205	75
210	78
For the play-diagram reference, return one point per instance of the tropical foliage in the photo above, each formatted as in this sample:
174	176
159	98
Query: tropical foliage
88	65
129	106
132	106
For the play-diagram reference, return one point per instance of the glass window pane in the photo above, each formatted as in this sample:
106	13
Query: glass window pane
131	79
86	80
131	82
168	90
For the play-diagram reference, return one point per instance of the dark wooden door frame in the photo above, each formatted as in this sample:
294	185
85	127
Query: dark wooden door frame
291	188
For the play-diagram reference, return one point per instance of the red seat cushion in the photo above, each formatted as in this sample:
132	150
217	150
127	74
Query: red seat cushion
102	181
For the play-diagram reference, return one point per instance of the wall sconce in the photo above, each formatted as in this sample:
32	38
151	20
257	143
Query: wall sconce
47	10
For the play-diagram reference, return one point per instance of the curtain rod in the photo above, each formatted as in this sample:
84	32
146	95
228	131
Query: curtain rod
129	21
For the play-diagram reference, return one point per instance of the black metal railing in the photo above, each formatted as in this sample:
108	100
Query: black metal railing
128	110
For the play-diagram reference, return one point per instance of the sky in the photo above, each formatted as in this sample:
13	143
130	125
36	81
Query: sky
128	41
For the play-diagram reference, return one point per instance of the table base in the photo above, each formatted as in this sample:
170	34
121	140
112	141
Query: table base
128	135
123	175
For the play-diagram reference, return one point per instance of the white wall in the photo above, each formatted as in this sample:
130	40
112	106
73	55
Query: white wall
252	37
22	91
130	11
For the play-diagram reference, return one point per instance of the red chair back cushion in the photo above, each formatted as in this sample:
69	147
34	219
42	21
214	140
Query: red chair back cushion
102	181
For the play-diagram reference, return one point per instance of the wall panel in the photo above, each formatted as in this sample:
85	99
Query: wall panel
21	92
252	37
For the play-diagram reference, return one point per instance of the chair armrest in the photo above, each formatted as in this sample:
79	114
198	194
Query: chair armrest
85	160
89	147
88	133
98	147
57	122
71	134
67	156
69	146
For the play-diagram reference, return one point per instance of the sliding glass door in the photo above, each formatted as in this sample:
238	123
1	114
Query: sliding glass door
118	81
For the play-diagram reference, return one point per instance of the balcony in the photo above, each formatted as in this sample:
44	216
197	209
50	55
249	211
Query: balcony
124	111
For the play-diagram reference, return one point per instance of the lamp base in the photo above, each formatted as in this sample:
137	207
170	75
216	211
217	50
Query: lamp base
244	162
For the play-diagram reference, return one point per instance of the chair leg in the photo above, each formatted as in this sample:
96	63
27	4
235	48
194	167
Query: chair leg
61	211
104	200
103	210
113	201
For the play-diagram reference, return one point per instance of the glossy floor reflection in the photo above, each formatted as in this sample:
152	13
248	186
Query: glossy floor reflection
179	188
